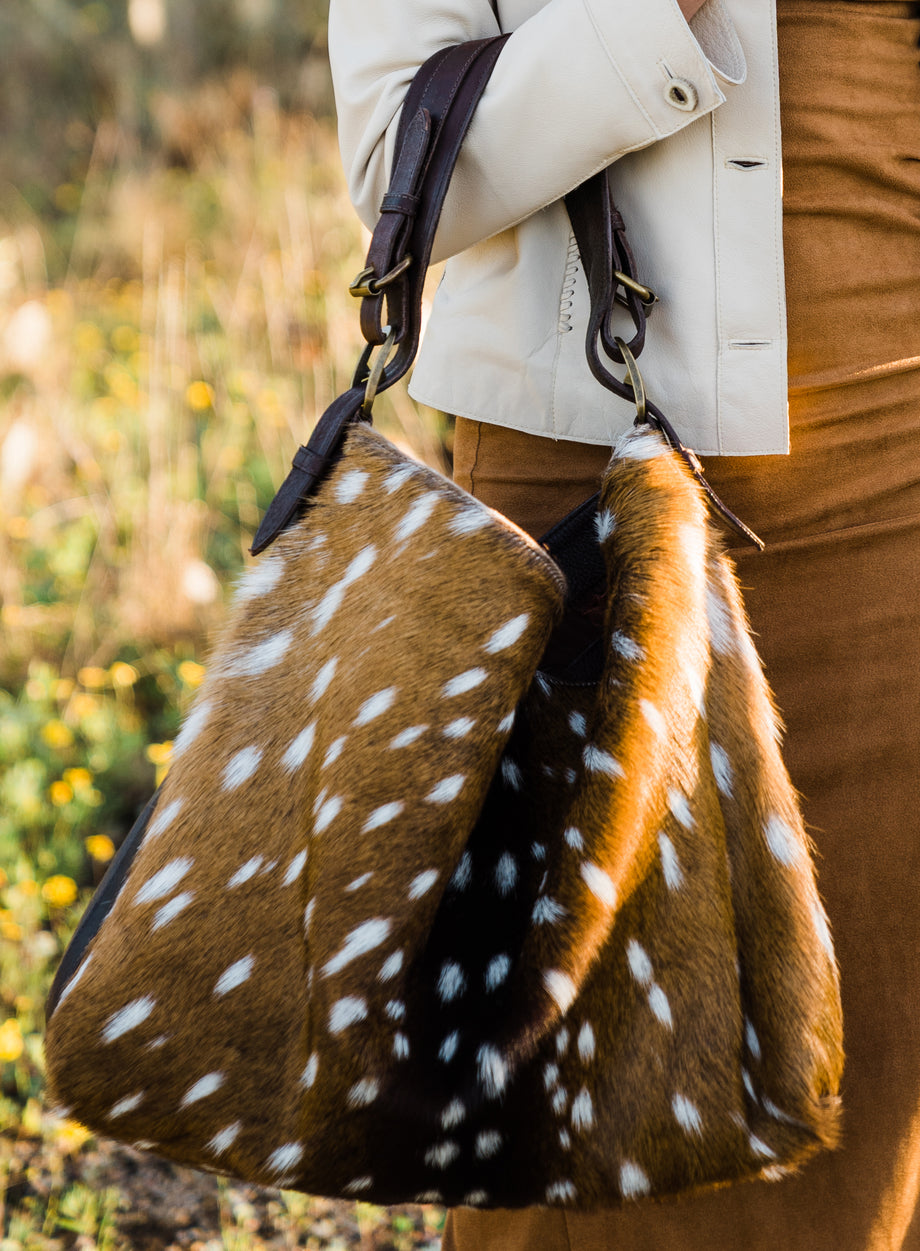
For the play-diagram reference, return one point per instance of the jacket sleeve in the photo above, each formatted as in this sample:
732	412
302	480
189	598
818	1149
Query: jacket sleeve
578	84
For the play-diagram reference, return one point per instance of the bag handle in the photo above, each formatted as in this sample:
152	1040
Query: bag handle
436	115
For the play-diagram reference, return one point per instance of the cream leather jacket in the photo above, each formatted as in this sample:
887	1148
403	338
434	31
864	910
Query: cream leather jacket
687	119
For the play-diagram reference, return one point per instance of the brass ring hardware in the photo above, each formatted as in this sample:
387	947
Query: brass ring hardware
645	294
633	379
376	373
365	284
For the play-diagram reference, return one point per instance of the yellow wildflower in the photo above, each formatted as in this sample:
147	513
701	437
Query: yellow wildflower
56	734
92	676
88	338
159	753
199	396
125	339
10	931
100	847
28	887
83	705
191	673
60	793
93	798
10	1040
63	689
70	1137
122	674
79	779
59	891
18	527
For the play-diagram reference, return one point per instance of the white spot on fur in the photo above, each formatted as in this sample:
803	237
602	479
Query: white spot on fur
71	985
241	767
506	874
334	751
493	1071
416	515
497	971
383	815
171	910
362	939
194	724
721	769
511	775
205	1086
538	851
451	981
350	485
574	839
634	1181
161	820
551	1077
447	790
508	634
819	919
604	524
463	874
249	869
760	1148
464	682
400	1047
405	738
346	1012
360	881
441	1154
164	881
327	814
475	1199
582	1110
390	967
295	868
639	963
506	724
560	987
697	686
376	705
264	656
753	1042
308	915
448	1047
598	761
562	1042
124	1106
395	1010
332	600
782	841
358	1185
560	1101
687	1115
625	646
323	678
363	1093
488	1144
565	1140
284	1158
454	1114
398	477
599	883
260	579
653	717
679	805
670	864
423	883
237	973
224	1139
641	443
586	1042
722	634
299	749
560	1192
658	1002
468	520
459	728
577	724
547	911
308	1076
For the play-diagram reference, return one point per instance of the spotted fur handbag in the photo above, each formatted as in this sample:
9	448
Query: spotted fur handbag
425	910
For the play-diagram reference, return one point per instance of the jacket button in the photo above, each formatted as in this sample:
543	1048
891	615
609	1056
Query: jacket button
681	94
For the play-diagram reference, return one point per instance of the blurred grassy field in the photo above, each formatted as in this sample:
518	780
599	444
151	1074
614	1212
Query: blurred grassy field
169	330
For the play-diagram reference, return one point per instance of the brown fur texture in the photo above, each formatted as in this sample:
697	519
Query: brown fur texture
415	920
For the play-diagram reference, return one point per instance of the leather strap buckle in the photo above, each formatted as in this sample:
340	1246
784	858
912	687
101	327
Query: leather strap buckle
366	284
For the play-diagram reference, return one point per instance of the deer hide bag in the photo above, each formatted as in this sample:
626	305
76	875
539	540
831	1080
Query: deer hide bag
414	920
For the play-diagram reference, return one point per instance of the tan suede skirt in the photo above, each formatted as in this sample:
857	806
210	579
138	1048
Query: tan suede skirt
835	602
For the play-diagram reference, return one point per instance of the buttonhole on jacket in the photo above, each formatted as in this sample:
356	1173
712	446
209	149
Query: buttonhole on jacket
750	343
747	162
